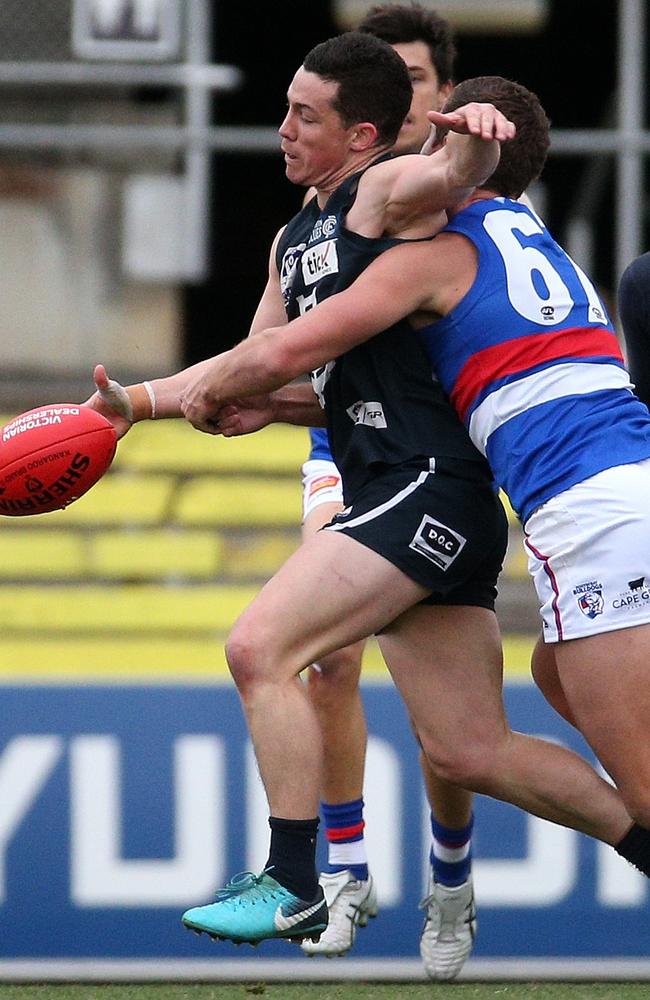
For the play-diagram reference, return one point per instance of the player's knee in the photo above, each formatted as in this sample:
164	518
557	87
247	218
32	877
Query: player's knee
336	674
244	656
461	764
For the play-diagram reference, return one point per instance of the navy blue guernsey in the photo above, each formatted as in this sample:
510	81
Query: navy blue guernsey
383	405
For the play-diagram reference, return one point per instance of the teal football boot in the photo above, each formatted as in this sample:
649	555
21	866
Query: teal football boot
254	908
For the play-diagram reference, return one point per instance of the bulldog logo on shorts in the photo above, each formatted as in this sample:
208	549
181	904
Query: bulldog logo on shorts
590	598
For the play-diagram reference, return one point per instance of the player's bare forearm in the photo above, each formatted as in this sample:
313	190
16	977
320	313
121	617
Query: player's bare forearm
294	404
297	404
259	364
422	185
471	160
473	146
169	390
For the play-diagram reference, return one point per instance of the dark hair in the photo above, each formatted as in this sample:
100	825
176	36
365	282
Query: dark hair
374	84
523	157
395	23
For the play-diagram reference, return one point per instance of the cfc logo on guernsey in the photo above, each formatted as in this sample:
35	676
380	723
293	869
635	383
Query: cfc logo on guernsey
323	227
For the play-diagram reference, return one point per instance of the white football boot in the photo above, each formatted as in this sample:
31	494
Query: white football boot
449	928
350	903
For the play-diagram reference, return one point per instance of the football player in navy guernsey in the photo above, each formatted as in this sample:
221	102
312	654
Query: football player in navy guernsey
415	555
406	202
424	41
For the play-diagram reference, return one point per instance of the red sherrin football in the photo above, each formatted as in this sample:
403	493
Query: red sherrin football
51	456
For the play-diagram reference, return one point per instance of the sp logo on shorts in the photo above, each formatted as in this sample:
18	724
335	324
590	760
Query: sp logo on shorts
437	542
590	598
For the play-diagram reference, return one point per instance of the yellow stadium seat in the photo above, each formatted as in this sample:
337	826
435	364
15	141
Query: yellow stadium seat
116	499
516	561
168	659
148	555
510	512
257	554
26	555
145	608
173	445
117	659
238	501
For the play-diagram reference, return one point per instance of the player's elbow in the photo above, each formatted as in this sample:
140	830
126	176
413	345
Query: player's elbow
270	360
289	361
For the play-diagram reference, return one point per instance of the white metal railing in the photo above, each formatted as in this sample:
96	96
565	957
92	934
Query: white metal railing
629	143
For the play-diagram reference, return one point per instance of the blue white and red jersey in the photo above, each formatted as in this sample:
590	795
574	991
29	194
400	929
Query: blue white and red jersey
319	444
531	363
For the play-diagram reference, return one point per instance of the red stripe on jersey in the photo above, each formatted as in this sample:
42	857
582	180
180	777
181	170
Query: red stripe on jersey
523	353
335	833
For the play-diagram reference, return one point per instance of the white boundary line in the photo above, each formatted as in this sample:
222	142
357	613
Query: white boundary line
279	970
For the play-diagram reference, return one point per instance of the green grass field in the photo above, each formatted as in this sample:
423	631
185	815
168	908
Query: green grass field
330	991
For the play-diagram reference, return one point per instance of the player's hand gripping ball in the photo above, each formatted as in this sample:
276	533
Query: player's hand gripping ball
51	456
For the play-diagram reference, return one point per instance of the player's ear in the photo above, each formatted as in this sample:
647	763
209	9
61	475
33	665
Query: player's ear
363	136
444	90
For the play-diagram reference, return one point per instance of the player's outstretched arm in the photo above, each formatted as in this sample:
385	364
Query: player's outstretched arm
394	285
155	400
408	191
118	403
474	135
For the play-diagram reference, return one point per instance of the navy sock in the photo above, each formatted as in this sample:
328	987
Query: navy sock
292	855
451	854
635	848
344	827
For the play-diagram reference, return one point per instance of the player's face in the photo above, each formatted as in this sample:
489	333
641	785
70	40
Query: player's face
428	94
314	141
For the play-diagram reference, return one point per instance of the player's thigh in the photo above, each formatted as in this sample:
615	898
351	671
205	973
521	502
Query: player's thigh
447	663
544	669
322	494
606	679
322	499
319	516
331	592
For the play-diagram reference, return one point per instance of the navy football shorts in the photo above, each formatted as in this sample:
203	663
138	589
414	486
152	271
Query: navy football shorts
439	522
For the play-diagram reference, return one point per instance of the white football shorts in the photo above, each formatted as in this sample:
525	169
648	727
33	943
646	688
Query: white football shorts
589	554
321	483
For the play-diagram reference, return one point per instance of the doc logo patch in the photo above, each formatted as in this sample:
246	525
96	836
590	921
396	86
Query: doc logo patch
437	542
589	597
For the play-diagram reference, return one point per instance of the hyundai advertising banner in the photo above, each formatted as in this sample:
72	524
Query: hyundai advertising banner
121	806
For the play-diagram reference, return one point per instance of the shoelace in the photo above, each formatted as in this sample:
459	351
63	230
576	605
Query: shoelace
246	882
